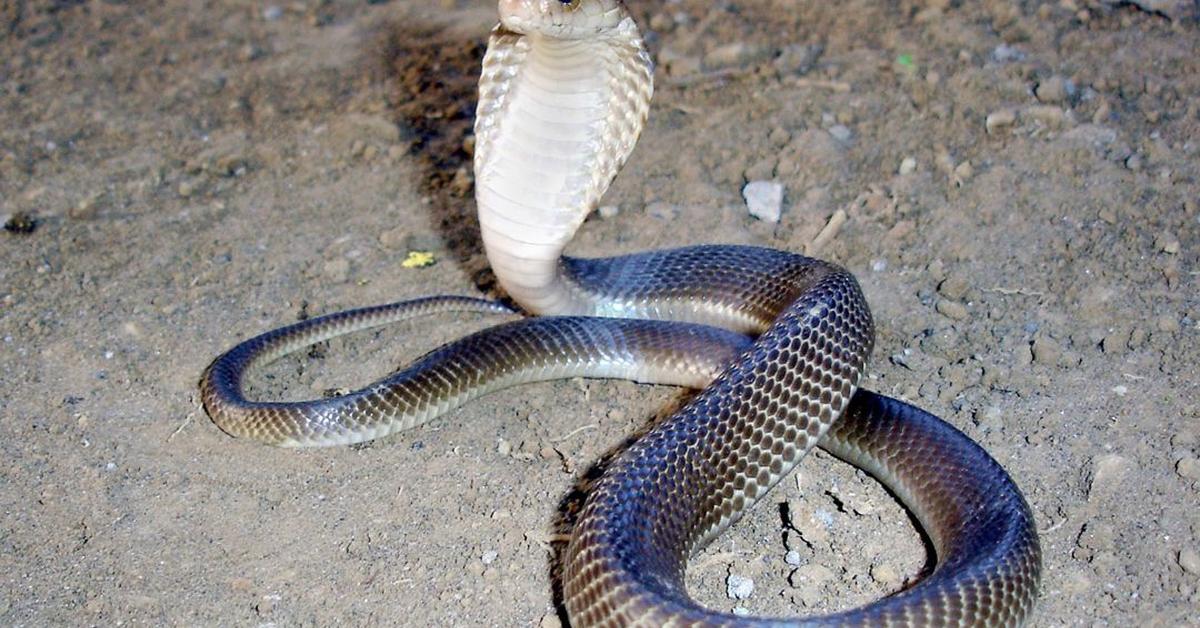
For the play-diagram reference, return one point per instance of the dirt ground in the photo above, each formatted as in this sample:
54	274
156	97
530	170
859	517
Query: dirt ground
1019	183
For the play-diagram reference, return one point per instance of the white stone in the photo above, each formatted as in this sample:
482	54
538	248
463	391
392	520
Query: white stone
739	587
764	199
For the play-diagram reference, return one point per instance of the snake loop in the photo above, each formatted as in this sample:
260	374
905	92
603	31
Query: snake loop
777	341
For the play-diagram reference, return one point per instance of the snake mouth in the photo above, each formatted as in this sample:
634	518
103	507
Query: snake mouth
562	19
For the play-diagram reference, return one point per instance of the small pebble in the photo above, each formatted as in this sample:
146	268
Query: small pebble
1005	53
813	527
1167	243
489	557
780	136
1116	341
662	23
1137	337
1046	350
272	13
907	166
841	132
249	52
1095	538
793	558
797	58
734	55
951	309
461	183
1188	468
1189	559
885	574
85	208
1000	120
936	270
808	584
1054	90
1185	438
990	418
810	574
608	211
189	187
1107	473
963	173
738	587
1049	115
677	64
1120	390
764	199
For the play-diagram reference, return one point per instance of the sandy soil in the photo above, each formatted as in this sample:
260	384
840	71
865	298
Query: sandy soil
1020	183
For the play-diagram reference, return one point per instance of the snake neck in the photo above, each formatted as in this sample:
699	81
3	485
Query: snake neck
556	120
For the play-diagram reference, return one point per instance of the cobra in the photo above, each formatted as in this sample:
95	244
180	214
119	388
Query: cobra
778	343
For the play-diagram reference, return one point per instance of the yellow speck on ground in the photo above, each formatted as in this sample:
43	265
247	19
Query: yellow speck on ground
419	259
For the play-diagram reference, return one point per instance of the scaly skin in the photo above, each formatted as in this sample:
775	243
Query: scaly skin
778	342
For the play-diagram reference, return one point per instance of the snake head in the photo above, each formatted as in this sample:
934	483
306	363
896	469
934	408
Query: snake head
563	19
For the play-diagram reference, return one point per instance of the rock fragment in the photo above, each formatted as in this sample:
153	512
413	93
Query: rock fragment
1046	350
885	574
809	583
739	587
1054	90
1167	243
1000	120
764	200
1189	559
954	286
990	418
841	133
738	54
1107	473
951	309
1188	468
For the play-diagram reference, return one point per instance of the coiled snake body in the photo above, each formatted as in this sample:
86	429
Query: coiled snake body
777	341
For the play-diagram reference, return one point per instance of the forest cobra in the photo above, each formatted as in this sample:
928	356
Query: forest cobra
777	342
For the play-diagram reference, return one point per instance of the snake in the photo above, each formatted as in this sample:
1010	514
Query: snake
776	343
